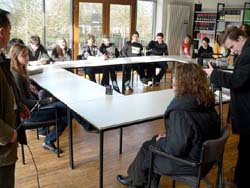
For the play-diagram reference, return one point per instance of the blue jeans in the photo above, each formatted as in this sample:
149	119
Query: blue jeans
49	114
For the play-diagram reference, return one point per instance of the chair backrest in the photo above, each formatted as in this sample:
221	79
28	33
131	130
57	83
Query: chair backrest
212	150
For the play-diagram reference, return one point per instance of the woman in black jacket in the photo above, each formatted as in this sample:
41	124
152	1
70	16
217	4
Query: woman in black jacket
190	120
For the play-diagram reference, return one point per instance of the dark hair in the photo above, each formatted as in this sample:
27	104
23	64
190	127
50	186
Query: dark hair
190	37
246	28
160	35
35	39
232	33
190	79
206	39
4	19
135	33
14	41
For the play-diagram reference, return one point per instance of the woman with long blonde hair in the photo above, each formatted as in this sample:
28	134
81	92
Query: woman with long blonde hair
19	59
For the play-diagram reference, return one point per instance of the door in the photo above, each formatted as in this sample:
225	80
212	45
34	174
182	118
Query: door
177	26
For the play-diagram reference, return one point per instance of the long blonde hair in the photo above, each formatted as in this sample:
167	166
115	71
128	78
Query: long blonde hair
190	79
16	66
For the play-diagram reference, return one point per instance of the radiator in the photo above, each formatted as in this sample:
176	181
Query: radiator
178	17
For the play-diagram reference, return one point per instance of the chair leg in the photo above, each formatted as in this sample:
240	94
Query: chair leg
132	78
23	156
57	138
228	114
37	135
150	170
173	184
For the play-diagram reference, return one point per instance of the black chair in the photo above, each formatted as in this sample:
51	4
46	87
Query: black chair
28	124
212	153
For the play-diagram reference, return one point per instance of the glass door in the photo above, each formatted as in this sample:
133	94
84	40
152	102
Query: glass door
98	17
120	24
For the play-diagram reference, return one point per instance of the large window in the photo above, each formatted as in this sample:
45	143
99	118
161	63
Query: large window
27	18
90	21
146	10
57	21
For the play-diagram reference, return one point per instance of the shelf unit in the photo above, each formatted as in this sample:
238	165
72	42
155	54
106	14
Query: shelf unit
204	25
228	16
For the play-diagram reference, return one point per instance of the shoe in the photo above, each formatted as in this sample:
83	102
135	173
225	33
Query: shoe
116	88
150	83
42	133
51	147
129	88
89	128
124	180
144	81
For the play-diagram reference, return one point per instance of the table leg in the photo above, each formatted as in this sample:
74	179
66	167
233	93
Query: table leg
171	81
123	79
101	160
71	160
121	134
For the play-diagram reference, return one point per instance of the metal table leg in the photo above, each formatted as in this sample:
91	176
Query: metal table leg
101	160
71	157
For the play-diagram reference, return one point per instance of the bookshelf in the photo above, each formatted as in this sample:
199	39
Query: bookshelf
228	16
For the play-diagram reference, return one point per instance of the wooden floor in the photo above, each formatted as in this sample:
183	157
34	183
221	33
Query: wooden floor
55	172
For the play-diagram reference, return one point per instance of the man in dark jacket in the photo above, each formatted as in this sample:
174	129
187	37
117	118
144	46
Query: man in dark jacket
239	84
9	111
160	48
131	49
37	52
110	51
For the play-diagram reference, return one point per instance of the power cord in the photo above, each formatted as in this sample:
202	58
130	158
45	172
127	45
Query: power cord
36	106
34	162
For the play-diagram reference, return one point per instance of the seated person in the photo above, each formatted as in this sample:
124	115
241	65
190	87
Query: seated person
219	50
19	60
186	48
110	51
131	49
246	28
90	50
30	95
61	52
160	48
205	51
37	52
190	120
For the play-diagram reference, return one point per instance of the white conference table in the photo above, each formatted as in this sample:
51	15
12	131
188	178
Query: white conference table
96	62
105	112
121	111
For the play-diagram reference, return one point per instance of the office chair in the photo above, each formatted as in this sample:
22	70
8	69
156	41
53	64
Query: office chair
212	152
29	124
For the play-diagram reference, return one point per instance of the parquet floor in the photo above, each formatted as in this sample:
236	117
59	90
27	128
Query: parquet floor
55	172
